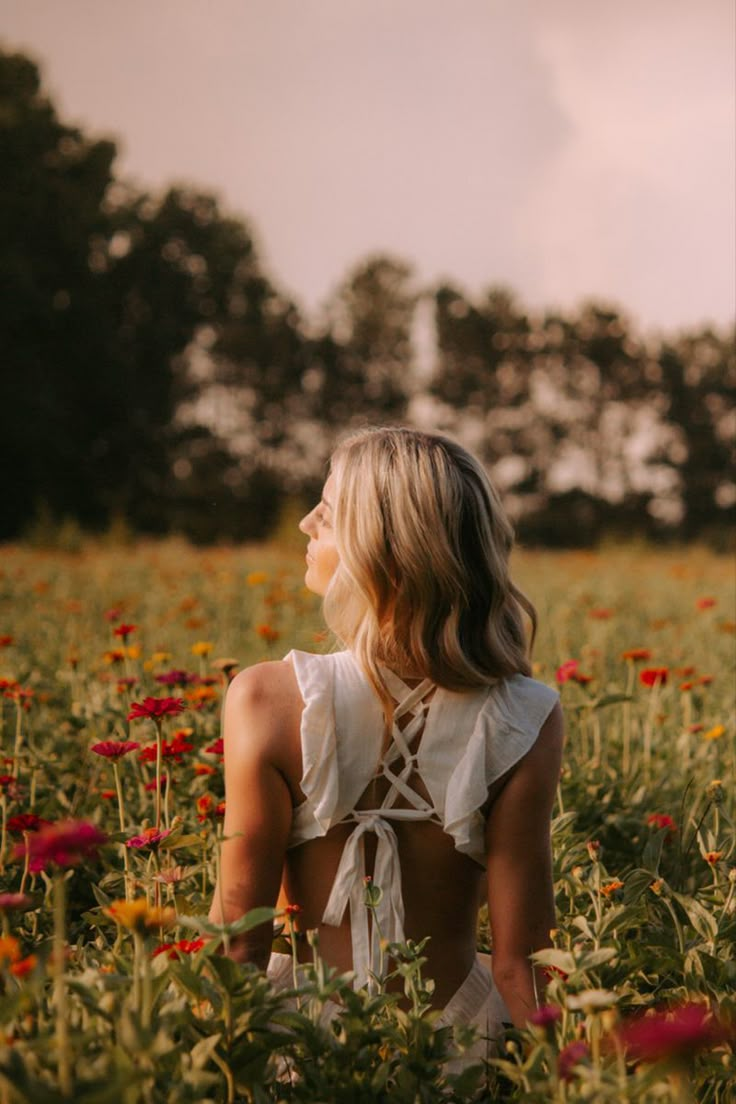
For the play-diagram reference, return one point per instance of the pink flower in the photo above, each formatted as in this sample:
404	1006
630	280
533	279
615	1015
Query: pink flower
15	902
149	837
569	1057
65	844
114	749
176	678
678	1033
155	708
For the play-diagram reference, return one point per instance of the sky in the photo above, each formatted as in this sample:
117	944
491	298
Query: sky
567	149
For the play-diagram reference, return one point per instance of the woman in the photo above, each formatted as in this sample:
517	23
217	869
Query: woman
422	756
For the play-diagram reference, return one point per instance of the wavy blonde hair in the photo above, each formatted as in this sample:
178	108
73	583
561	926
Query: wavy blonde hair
423	585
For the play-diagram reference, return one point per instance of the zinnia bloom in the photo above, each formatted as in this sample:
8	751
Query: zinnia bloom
24	966
712	857
149	837
255	578
9	949
202	648
705	603
114	749
545	1016
653	676
218	748
679	1033
636	654
268	633
124	631
139	916
15	902
714	733
176	678
65	844
569	1057
181	947
662	820
611	887
25	822
155	709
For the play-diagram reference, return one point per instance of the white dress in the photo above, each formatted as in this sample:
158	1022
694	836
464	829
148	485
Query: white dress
462	743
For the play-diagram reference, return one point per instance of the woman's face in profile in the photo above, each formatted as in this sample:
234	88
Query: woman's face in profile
322	555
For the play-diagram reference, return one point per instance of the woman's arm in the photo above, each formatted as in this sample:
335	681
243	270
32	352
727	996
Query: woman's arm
261	706
520	891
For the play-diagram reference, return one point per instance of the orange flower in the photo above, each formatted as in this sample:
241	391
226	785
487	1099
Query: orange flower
268	633
600	614
712	857
714	733
139	916
611	887
9	949
255	578
636	654
202	648
705	603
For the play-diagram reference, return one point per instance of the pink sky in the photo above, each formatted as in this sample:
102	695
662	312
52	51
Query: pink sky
568	149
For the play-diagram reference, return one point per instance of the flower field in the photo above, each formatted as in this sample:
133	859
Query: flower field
113	666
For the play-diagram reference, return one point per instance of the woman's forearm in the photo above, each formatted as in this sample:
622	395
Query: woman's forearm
521	986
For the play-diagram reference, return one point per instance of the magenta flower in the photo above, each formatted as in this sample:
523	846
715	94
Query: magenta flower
155	709
114	749
571	1056
149	837
545	1016
176	678
65	844
678	1033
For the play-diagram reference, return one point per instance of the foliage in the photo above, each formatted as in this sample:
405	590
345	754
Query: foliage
104	1001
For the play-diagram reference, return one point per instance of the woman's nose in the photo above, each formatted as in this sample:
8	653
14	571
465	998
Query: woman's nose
305	523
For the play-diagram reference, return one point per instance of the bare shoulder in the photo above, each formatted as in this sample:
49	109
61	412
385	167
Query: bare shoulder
263	709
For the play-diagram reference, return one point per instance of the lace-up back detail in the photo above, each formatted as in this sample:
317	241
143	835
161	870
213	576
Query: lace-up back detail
446	750
398	784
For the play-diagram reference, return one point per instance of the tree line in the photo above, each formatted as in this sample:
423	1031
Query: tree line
154	373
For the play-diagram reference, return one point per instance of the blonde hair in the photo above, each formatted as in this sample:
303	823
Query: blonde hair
422	585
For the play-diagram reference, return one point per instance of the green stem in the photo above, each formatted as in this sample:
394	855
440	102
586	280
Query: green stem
60	994
159	737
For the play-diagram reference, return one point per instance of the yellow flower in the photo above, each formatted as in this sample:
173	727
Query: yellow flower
202	648
9	949
133	651
158	658
714	791
139	916
255	578
714	733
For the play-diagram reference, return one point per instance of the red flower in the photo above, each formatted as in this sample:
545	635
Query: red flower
65	844
218	748
26	822
600	614
569	670
24	966
653	676
113	615
663	820
152	785
124	631
569	1057
182	946
705	603
292	910
5	641
155	708
114	749
170	749
678	1033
